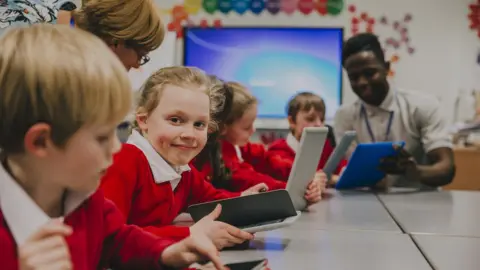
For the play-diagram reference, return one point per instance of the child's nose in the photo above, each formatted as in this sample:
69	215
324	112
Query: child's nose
188	133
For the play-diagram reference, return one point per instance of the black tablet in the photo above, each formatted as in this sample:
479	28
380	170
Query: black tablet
253	213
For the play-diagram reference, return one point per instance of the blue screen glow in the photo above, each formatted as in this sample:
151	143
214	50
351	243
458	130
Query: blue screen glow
274	63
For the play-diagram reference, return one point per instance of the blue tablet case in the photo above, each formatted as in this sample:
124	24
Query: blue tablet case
362	168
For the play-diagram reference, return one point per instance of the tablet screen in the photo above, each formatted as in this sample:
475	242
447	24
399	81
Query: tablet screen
252	265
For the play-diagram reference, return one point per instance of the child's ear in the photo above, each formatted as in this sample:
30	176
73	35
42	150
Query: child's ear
38	139
223	131
291	122
141	119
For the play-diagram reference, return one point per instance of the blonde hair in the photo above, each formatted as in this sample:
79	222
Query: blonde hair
135	22
151	91
61	76
242	101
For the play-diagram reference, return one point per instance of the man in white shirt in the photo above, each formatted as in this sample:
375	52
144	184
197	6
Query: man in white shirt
383	113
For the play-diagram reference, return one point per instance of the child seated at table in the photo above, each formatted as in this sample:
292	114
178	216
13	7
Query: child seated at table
150	180
62	94
305	109
242	162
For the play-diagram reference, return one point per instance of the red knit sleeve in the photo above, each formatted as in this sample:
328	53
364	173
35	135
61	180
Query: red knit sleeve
254	154
170	231
128	246
279	164
244	176
202	191
122	179
340	166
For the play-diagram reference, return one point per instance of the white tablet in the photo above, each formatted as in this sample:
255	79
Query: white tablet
305	164
339	153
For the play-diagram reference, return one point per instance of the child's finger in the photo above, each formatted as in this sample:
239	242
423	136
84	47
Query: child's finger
209	251
56	254
49	243
52	228
236	232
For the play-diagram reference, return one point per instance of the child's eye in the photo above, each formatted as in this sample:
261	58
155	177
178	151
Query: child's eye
103	139
200	124
175	120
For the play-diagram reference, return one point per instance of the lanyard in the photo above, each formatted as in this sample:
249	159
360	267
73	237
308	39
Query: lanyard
369	128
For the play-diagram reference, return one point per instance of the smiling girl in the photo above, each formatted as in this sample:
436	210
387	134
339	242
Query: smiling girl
150	180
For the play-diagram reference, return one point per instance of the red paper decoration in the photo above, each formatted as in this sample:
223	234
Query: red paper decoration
352	8
217	23
363	19
306	6
401	29
321	7
203	23
366	23
180	18
474	17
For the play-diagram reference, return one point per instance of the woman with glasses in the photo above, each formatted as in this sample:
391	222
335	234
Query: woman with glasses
131	28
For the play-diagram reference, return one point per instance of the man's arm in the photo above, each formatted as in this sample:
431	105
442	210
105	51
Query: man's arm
442	170
437	145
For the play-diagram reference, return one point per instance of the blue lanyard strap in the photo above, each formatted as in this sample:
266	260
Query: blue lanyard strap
369	128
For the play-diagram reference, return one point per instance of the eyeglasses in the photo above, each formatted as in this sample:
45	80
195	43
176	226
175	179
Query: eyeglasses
142	57
143	60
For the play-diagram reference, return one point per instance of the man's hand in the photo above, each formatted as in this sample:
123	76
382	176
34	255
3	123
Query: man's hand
401	164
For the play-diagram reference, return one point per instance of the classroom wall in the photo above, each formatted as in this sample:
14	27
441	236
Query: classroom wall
446	49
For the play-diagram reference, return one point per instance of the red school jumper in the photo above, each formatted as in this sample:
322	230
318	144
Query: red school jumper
280	157
100	239
246	171
130	184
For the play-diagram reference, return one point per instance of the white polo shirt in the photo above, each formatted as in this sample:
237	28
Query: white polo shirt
22	215
161	170
415	118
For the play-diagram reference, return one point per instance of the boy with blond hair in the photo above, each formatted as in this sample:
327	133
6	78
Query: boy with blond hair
62	94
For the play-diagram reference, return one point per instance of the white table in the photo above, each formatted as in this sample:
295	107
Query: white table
333	250
438	212
347	210
450	252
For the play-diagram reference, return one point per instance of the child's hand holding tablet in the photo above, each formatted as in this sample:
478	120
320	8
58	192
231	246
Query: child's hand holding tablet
222	234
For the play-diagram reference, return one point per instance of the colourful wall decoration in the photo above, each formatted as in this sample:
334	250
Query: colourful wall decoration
288	6
257	6
240	6
274	7
364	22
210	6
474	17
180	12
